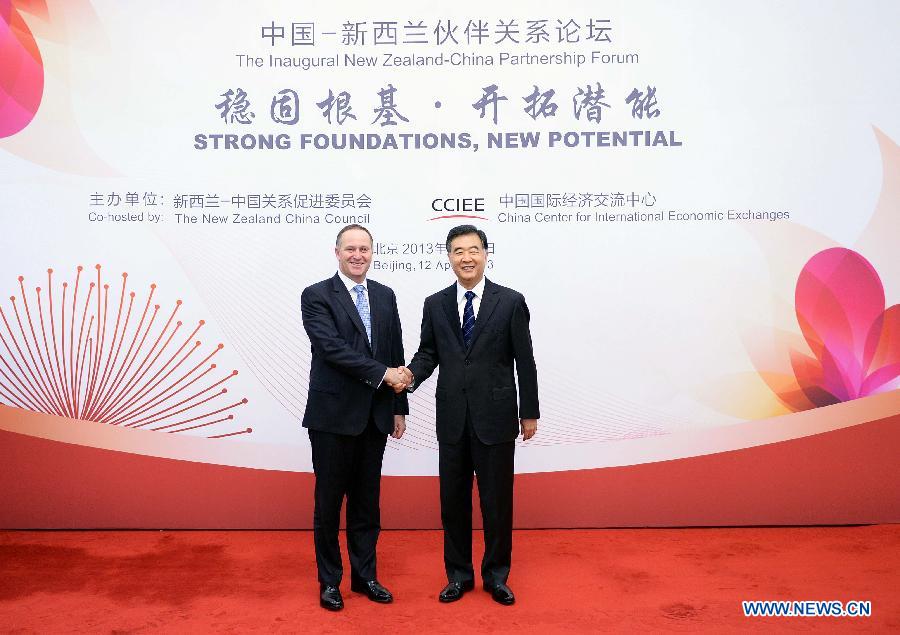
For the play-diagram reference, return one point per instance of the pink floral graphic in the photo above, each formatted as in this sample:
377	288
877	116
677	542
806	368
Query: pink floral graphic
21	70
847	345
855	342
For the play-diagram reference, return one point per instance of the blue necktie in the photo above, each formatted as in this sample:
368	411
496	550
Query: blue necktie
362	306
468	324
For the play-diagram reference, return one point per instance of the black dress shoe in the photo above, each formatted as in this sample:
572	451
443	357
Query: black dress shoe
501	593
330	597
454	590
373	590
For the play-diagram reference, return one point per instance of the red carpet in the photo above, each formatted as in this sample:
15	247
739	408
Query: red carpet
565	581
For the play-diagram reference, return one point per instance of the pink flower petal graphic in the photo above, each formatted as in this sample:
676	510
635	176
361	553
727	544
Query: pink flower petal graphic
809	375
839	304
883	353
21	73
839	297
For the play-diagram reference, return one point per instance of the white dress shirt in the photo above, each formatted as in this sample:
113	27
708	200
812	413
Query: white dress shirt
350	284
478	290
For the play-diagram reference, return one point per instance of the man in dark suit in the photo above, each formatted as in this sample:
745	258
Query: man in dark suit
354	328
474	330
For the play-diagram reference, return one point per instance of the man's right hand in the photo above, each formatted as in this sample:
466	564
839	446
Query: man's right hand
398	378
408	377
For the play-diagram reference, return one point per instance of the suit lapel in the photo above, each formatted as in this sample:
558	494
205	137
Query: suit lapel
375	317
452	312
488	304
343	299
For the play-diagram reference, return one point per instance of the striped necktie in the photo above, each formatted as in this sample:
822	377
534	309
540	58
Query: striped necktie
468	324
362	306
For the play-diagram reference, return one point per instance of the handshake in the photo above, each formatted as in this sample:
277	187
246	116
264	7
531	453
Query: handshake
398	378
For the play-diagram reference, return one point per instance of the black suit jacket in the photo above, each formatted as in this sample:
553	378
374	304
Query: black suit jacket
346	371
479	378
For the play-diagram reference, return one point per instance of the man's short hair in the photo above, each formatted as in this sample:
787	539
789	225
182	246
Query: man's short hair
462	230
337	241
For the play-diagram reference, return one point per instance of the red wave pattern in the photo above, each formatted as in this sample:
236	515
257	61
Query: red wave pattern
844	476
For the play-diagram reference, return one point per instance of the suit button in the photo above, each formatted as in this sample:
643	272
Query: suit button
468	362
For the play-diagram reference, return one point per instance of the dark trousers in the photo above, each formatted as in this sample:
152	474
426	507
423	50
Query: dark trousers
493	465
347	466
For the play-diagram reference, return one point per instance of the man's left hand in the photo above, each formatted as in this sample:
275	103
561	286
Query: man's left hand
399	426
529	427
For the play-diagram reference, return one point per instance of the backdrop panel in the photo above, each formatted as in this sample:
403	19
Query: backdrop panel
700	202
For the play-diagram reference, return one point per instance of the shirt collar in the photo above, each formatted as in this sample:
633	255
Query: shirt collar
350	284
478	289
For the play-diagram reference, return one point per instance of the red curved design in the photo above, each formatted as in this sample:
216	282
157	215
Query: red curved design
845	476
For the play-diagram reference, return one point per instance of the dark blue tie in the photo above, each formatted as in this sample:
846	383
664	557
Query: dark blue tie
468	323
